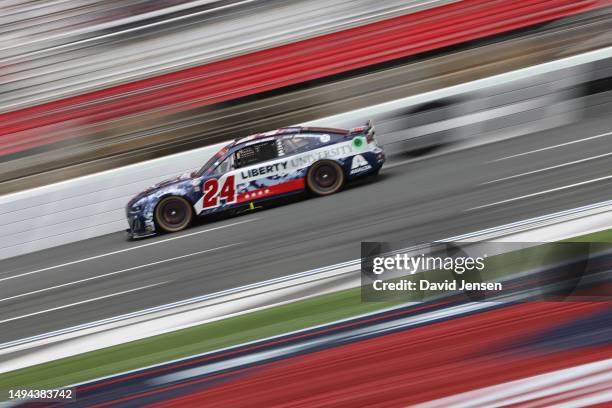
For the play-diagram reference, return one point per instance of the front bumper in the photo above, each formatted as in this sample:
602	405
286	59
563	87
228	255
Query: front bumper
139	226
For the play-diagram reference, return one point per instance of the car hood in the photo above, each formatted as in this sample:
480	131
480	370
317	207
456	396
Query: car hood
171	181
163	184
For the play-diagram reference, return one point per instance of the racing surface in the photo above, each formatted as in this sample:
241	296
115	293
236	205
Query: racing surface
423	199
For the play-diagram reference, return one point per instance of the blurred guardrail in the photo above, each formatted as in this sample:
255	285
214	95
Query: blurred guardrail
199	310
93	205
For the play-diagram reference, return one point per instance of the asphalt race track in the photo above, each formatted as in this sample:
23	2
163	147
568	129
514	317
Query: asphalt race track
420	199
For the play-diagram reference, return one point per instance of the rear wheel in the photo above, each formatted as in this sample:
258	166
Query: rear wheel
173	214
325	177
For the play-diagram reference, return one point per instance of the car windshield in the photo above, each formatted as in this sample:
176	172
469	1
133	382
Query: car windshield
213	160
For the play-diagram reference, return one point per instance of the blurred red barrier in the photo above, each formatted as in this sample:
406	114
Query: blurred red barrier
418	365
286	65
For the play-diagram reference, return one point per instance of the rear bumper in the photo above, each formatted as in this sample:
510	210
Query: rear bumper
379	155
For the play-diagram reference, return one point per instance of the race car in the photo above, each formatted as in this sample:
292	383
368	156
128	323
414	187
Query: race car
257	168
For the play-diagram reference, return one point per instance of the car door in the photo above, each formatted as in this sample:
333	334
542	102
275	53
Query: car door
258	168
218	186
249	173
245	174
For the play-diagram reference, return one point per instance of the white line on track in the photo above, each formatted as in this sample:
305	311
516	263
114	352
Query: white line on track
117	272
82	302
547	168
539	193
126	249
551	147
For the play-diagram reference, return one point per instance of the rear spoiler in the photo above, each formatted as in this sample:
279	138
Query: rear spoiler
367	129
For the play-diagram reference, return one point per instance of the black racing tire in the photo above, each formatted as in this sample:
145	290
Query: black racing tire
325	177
173	214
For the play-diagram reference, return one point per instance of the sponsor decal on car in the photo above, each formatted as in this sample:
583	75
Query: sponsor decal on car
269	169
359	164
331	152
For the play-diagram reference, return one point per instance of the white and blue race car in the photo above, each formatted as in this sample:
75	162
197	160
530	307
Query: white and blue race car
256	168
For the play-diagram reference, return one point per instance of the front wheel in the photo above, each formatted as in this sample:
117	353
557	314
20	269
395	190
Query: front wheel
173	214
325	177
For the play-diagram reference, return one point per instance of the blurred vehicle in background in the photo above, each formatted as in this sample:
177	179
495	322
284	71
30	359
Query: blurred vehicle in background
520	107
501	111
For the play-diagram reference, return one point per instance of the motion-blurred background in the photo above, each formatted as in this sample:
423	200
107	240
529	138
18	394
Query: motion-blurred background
89	85
494	114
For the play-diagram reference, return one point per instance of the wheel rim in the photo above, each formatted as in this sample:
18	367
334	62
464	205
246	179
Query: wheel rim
326	177
173	213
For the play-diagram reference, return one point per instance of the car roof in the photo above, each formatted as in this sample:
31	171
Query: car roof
288	131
